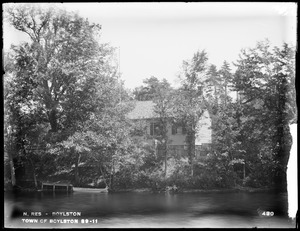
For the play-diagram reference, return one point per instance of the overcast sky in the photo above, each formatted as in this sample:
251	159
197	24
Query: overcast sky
154	38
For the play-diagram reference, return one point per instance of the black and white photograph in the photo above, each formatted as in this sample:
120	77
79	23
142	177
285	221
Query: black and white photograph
150	115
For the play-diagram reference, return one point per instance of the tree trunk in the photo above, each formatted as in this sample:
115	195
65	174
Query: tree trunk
12	170
33	173
77	169
111	177
244	171
102	173
165	144
281	138
215	94
225	94
191	138
192	156
52	116
166	156
34	178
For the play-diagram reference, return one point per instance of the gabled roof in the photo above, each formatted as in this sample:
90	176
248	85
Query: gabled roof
143	110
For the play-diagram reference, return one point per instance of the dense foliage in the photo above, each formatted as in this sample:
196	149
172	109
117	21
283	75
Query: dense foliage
61	105
65	112
250	112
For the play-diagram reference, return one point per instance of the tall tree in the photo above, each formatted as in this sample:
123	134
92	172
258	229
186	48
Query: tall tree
212	95
9	141
225	77
61	58
56	75
189	100
149	90
213	85
265	78
103	141
163	108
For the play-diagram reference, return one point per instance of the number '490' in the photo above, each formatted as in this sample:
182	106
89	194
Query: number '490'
268	213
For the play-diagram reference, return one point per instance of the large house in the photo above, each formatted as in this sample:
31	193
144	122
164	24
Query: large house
144	112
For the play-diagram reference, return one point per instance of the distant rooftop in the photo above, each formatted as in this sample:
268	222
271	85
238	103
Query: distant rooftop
143	110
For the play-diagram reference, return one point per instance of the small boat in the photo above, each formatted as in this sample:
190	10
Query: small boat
100	190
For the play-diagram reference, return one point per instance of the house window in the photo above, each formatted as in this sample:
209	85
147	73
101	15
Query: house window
138	132
154	129
174	129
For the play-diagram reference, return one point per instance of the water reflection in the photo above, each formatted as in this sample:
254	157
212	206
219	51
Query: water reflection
153	210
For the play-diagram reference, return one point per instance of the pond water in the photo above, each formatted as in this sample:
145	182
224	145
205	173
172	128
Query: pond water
146	210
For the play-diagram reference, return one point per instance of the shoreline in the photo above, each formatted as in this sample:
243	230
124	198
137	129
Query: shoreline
150	190
237	189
